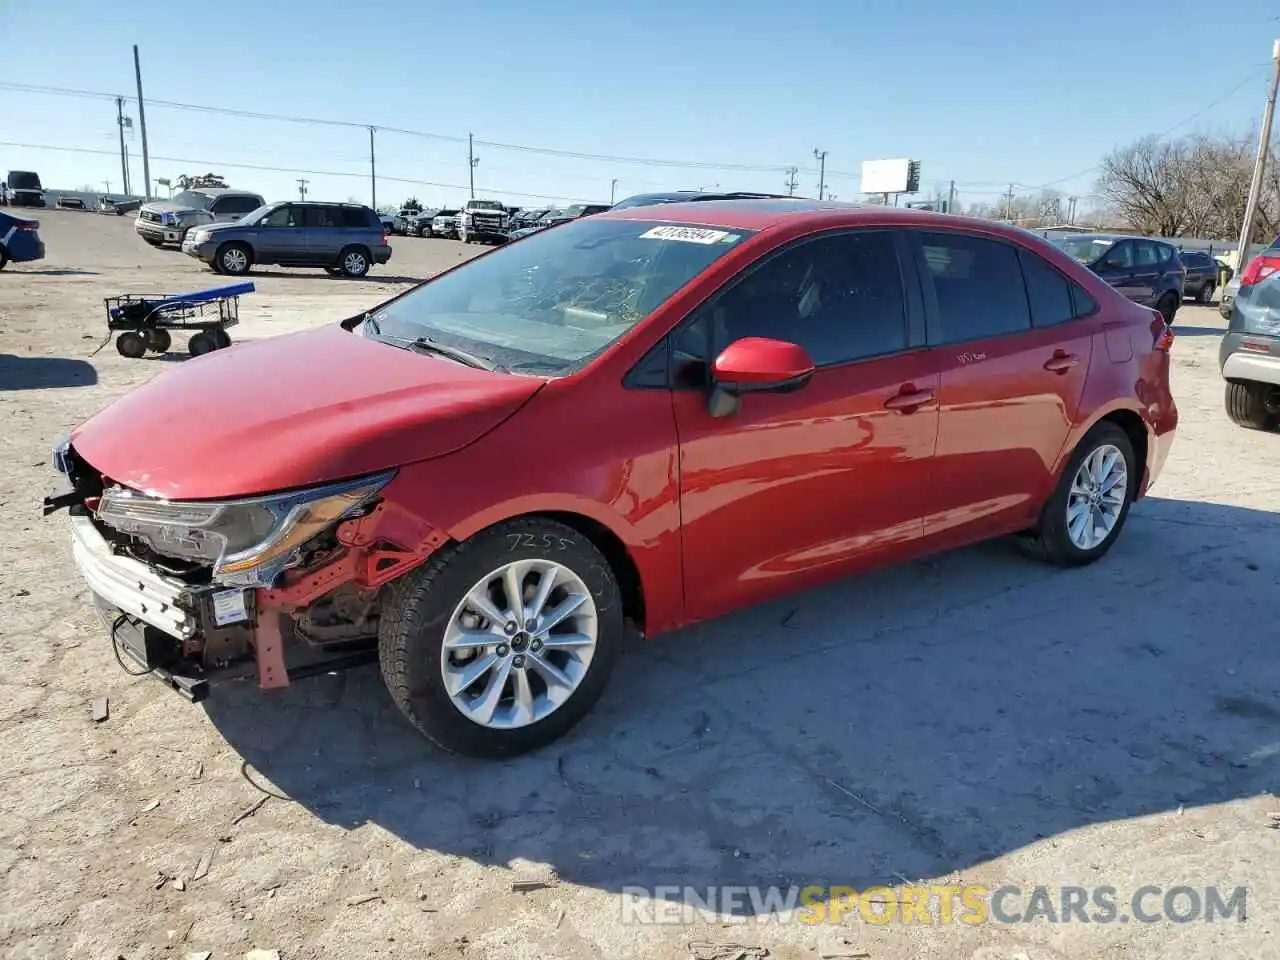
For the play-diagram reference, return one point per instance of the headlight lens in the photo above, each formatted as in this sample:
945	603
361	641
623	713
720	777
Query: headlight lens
200	236
250	541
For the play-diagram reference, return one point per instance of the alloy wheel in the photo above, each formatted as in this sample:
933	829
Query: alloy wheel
519	644
1097	497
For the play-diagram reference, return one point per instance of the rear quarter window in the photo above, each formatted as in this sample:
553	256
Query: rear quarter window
359	217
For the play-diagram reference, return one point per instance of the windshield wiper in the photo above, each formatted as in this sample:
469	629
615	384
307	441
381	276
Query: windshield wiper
427	345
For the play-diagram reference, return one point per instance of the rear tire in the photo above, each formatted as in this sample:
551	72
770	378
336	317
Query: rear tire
430	602
353	262
158	341
221	338
1253	405
1053	540
130	344
200	344
1206	293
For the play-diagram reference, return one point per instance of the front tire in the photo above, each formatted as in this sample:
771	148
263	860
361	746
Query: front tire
1083	518
233	259
1253	405
481	675
131	344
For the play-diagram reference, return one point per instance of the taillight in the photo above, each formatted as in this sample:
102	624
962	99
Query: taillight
386	239
31	225
1259	268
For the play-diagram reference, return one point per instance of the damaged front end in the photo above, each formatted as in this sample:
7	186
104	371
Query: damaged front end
282	586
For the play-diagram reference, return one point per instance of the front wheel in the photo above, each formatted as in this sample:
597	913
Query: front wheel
1253	405
233	259
1083	518
500	644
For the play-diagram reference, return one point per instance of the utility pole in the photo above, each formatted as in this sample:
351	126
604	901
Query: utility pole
821	157
1071	209
1260	165
124	157
951	198
373	174
472	160
613	189
792	182
302	188
107	184
142	123
1008	203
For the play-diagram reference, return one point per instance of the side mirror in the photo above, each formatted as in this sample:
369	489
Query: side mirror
756	365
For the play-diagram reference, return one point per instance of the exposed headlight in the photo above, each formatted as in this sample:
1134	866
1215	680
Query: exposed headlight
249	542
467	218
200	236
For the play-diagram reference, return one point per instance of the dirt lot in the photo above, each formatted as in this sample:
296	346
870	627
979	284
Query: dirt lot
977	718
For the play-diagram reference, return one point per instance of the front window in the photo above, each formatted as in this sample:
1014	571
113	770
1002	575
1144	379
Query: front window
486	205
1084	249
555	300
191	200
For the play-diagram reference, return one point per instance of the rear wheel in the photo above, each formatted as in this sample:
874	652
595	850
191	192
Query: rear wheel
158	340
1168	306
353	262
1087	511
500	644
1253	405
200	344
1206	293
131	344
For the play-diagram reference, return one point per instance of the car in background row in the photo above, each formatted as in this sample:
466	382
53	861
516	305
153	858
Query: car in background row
765	397
167	221
19	240
346	239
419	225
445	224
528	217
1144	270
400	221
687	196
118	206
553	217
1203	274
23	189
484	221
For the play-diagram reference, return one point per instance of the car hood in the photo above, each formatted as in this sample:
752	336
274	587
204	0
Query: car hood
165	206
293	411
224	225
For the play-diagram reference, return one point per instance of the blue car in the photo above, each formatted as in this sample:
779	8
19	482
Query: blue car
1146	271
19	240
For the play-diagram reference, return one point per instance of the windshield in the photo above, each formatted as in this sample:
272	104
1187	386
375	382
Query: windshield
556	299
192	200
447	213
1084	249
486	205
649	200
23	180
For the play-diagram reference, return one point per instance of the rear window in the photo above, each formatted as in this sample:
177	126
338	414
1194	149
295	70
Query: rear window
978	285
358	217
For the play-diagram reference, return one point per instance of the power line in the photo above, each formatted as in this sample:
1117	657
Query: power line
296	170
494	144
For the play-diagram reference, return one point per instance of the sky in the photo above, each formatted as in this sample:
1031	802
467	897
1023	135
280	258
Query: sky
619	98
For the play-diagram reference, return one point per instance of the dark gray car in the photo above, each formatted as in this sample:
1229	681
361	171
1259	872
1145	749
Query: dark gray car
344	238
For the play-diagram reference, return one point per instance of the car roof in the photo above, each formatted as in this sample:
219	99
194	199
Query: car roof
1110	236
763	213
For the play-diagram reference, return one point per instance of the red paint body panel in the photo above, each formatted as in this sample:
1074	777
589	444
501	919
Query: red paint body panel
293	411
715	513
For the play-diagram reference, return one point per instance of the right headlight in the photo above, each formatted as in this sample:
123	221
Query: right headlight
200	236
250	541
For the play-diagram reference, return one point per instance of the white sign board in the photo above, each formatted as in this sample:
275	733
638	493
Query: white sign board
885	176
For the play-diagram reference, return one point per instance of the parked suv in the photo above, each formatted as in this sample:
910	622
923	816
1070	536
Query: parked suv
764	396
167	221
1202	275
1144	270
1249	354
344	238
483	220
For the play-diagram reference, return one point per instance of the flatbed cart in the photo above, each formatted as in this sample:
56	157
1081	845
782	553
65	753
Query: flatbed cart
143	322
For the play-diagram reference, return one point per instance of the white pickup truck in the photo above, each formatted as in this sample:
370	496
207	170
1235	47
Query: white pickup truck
484	220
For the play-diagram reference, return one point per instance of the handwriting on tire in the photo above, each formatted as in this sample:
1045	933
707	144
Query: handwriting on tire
537	541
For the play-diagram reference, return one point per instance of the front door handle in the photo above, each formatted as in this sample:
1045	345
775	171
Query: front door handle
1061	362
909	401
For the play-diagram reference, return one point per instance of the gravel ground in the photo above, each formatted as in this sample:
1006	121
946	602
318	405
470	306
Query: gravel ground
975	718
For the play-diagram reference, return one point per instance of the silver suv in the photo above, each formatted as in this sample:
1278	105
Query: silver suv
346	239
167	221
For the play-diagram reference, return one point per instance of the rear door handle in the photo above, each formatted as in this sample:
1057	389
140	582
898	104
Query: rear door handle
1061	362
909	401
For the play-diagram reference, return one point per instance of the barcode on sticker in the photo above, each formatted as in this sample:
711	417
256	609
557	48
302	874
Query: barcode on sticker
685	234
228	607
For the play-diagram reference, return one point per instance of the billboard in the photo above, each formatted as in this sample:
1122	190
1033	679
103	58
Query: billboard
890	176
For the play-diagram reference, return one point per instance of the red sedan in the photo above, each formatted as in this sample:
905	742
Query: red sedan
654	415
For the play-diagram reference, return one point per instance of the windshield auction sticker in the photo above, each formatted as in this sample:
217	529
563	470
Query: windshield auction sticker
688	235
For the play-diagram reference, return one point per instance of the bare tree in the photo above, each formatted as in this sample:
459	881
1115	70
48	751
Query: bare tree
1146	183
